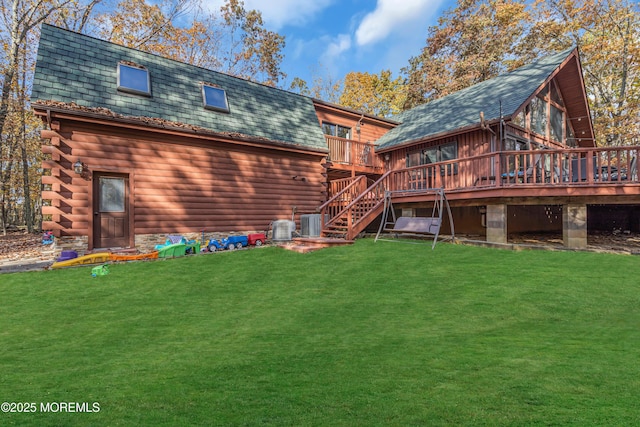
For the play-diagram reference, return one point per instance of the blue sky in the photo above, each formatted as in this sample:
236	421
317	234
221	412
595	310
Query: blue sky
330	38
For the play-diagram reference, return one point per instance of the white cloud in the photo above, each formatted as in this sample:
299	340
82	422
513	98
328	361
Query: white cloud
342	43
278	13
393	15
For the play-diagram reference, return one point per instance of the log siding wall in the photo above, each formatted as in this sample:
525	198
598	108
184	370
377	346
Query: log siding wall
178	183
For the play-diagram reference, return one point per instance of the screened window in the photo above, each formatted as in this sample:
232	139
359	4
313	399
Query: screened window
438	153
134	79
336	130
214	98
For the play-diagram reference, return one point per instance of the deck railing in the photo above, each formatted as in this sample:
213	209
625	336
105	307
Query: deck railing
349	152
601	166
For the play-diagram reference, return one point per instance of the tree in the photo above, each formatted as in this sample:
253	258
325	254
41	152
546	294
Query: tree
20	17
234	42
324	85
483	38
607	34
469	45
377	94
251	50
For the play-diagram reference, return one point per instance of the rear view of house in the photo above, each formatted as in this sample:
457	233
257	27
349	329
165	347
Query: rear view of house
142	146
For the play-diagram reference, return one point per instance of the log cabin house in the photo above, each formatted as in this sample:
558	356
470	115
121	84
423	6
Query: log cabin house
140	146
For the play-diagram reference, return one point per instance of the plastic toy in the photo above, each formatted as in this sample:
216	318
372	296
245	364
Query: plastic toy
172	251
118	257
257	239
235	242
83	260
214	245
67	255
101	270
47	238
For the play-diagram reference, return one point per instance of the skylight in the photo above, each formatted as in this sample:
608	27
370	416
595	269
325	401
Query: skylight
134	79
214	98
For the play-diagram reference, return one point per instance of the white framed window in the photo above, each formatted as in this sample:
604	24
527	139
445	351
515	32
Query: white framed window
214	98
134	79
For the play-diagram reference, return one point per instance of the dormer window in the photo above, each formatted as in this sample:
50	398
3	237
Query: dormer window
214	98
134	79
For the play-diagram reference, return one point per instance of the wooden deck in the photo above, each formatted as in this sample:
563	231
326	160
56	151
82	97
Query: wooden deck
595	175
539	177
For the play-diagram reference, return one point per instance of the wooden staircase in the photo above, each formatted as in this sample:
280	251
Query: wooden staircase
353	208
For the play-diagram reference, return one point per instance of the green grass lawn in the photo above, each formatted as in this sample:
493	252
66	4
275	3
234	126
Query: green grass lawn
372	334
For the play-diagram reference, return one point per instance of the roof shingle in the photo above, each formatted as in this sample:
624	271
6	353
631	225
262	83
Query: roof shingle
90	80
502	95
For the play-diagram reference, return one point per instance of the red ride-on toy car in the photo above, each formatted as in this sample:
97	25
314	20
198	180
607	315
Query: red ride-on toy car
257	239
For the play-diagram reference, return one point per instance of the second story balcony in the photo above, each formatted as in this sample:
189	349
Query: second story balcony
347	156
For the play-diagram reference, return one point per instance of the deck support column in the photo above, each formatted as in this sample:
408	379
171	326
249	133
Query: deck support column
497	223
574	226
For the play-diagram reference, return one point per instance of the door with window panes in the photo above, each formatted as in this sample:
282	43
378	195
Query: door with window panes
110	210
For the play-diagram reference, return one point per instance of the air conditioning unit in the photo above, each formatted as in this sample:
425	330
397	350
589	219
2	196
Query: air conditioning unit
282	230
310	225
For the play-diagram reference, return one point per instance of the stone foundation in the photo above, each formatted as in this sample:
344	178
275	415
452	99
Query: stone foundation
70	243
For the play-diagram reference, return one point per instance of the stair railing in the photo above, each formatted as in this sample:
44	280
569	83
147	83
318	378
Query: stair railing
357	211
342	198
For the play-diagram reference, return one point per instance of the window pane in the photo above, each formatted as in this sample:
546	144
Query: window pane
519	120
133	79
344	132
328	128
215	98
557	119
431	155
414	159
448	152
539	116
555	96
111	194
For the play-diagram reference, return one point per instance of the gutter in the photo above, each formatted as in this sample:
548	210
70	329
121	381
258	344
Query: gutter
161	124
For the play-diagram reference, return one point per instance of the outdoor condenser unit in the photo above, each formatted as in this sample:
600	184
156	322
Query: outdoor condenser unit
282	230
310	225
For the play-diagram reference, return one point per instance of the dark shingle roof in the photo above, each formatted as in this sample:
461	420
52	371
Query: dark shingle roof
75	68
462	109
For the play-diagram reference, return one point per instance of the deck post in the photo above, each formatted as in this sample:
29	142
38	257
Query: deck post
497	223
574	226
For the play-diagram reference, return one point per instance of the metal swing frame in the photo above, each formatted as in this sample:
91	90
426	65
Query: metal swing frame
418	226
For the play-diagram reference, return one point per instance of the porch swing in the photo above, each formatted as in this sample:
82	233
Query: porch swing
416	226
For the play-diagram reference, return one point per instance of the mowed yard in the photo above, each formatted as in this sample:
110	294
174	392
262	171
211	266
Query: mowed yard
373	334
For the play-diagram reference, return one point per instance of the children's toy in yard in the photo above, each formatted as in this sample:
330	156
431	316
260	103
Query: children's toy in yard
236	242
257	239
47	238
101	270
86	259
